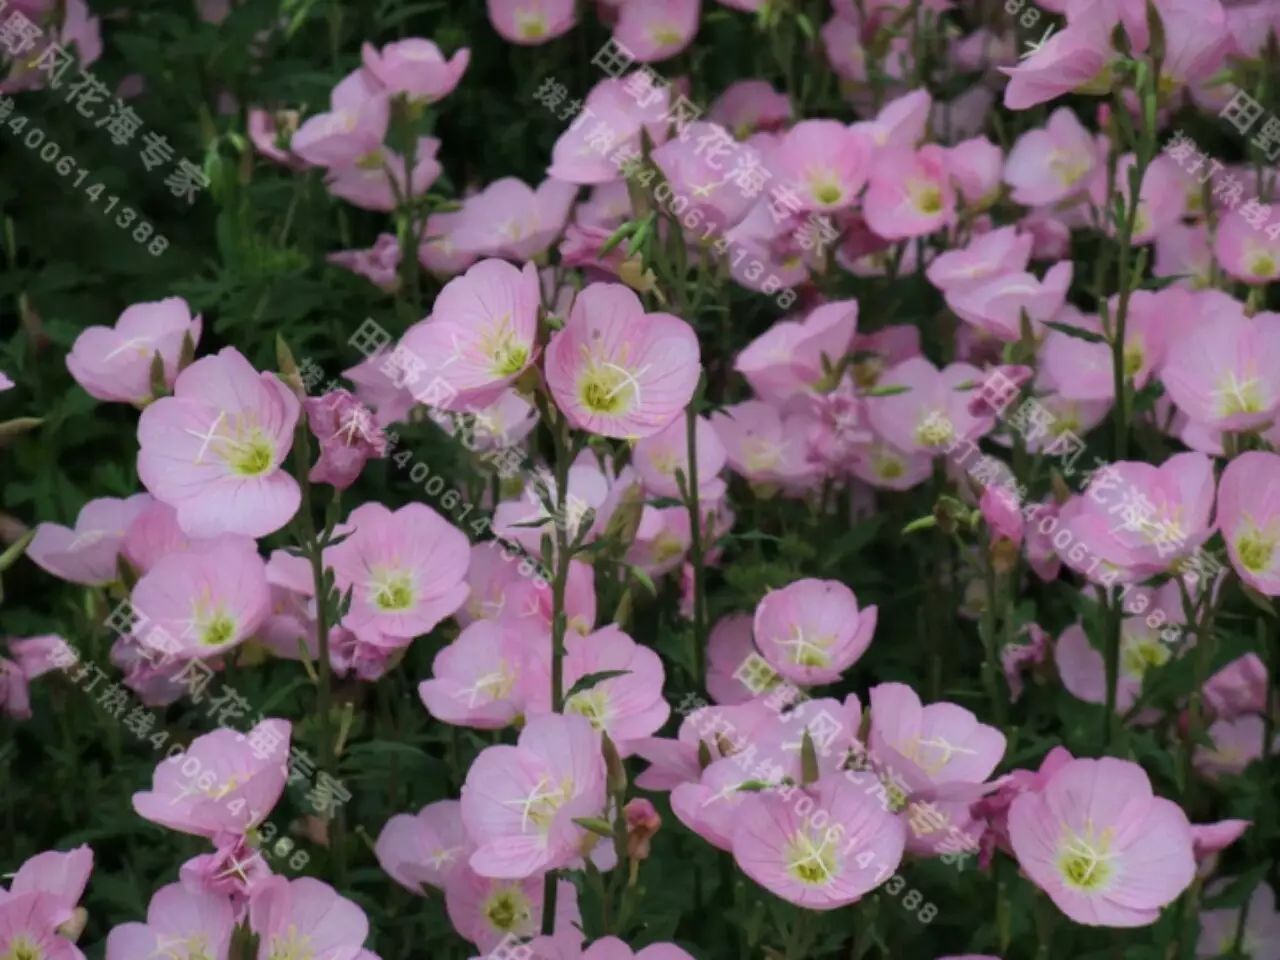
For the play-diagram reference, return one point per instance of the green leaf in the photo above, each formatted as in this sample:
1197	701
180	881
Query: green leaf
889	390
808	759
597	825
587	681
1077	332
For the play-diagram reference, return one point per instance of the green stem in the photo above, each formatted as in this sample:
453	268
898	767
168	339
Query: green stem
1114	615
695	548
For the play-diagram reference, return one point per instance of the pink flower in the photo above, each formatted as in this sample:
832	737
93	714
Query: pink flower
1236	743
1015	658
476	681
27	929
1249	254
627	706
939	751
1046	166
293	916
658	458
197	923
270	132
374	180
1196	40
224	782
825	162
507	219
1210	839
426	848
154	533
487	911
1103	848
1083	671
611	948
1220	928
1249	518
416	68
760	445
706	178
995	306
617	371
235	869
406	569
214	450
790	357
975	167
1223	373
531	22
811	631
932	413
750	106
348	434
87	554
576	158
501	592
480	336
1075	59
988	255
202	604
380	264
654	30
1183	251
728	646
901	123
643	822
57	878
820	863
519	803
993	808
910	193
1239	687
114	363
842	40
352	129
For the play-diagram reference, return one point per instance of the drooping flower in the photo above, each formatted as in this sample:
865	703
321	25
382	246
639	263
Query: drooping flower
617	371
349	437
87	554
1075	59
791	358
750	106
1239	687
236	868
57	877
224	782
996	305
378	178
1234	744
426	848
406	569
380	264
826	862
214	450
201	604
1101	845
519	802
715	202
180	923
811	631
416	68
115	363
480	336
531	22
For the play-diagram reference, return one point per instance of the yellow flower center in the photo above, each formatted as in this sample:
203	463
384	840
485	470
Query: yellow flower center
935	430
531	24
927	198
508	909
1085	861
592	704
1134	357
1140	654
825	189
665	34
1239	396
1262	265
292	946
218	630
812	863
608	389
23	949
1255	549
391	590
